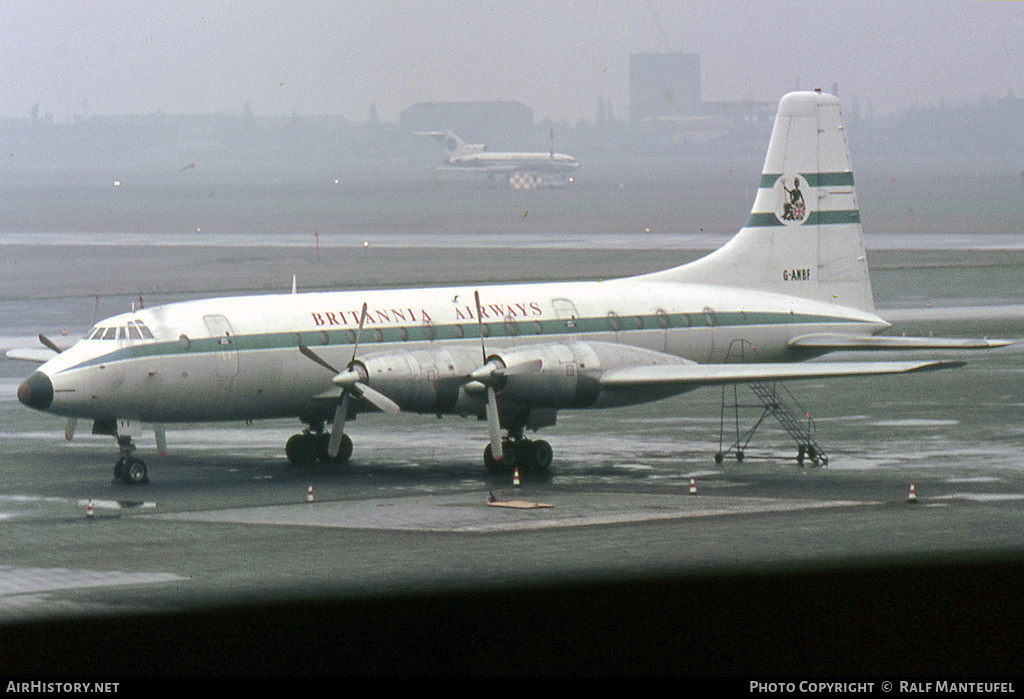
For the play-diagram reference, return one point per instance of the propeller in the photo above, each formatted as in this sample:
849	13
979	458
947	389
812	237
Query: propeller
50	344
487	371
352	383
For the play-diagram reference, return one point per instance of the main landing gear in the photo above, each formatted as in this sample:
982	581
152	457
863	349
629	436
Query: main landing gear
530	455
129	468
311	447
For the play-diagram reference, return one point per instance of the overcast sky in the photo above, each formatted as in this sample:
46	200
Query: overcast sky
559	57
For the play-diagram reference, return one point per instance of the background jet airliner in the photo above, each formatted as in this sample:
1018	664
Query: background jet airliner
792	283
476	158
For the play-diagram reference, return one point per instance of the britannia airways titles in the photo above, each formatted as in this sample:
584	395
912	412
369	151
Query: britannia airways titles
410	315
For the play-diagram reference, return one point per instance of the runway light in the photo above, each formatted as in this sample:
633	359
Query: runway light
366	243
693	486
117	183
309	493
912	497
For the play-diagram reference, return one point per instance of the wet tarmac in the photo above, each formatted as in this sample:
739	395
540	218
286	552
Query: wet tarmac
402	564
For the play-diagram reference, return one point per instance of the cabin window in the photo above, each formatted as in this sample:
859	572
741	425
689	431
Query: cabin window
428	331
403	334
639	322
351	335
324	338
663	319
538	328
613	321
378	335
184	342
511	328
485	330
459	331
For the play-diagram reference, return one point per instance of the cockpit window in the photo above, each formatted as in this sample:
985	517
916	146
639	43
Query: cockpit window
135	330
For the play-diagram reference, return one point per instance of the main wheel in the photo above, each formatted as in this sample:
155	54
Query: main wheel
301	449
542	455
507	462
344	450
135	471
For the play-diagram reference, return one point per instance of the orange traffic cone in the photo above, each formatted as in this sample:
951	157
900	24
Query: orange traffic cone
913	494
693	486
515	477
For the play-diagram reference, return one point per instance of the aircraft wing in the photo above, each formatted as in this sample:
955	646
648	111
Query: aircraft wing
891	342
696	375
38	355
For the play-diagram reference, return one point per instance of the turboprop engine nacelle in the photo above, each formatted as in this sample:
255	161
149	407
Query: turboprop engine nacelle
421	381
569	373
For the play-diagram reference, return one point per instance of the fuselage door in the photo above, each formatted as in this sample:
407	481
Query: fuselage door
565	311
227	358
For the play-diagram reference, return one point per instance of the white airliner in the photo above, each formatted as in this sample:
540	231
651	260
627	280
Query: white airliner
476	158
793	283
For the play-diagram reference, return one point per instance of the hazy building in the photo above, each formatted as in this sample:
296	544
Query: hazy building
663	85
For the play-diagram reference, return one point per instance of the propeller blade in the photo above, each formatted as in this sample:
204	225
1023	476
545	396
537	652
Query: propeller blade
161	439
359	331
377	398
493	424
492	371
338	428
49	343
480	325
69	428
349	382
530	367
316	358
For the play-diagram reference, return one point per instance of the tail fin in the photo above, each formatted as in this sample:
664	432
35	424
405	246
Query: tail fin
803	237
452	144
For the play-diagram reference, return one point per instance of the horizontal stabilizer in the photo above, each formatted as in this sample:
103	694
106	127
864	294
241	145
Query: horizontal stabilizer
38	355
696	375
834	343
955	314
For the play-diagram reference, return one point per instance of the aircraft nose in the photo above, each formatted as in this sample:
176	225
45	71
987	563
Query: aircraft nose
36	391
